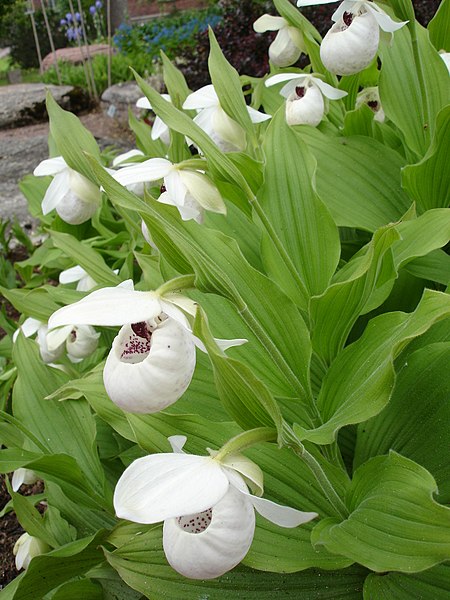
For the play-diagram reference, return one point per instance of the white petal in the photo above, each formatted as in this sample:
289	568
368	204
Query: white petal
22	475
203	190
50	166
228	130
284	516
269	23
175	187
384	21
177	442
109	306
248	469
159	129
256	116
30	326
351	50
205	97
83	342
169	306
283	52
217	549
144	102
328	90
55	192
225	344
47	355
149	170
161	486
143	376
71	275
120	158
183	302
281	77
56	337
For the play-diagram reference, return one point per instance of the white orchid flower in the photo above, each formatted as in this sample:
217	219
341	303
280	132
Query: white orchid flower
228	135
160	131
73	196
21	476
79	341
304	97
352	42
77	274
371	97
192	192
288	44
152	359
26	548
446	58
208	512
33	326
123	161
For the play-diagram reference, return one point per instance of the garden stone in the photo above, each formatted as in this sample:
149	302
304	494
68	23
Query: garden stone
24	103
117	99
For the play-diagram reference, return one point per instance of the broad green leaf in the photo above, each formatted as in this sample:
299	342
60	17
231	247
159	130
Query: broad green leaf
394	523
68	427
34	188
299	217
31	520
358	179
434	266
359	383
433	583
428	182
228	87
85	256
295	18
438	27
359	122
337	309
48	571
142	131
399	87
416	422
75	590
175	82
34	303
403	9
141	564
72	138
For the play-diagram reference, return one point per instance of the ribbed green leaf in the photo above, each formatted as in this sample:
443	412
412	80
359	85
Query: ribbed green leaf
75	590
175	82
394	524
299	217
434	266
358	179
359	383
438	27
433	584
416	422
428	182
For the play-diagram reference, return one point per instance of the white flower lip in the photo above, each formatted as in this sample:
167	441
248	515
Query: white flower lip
208	513
288	44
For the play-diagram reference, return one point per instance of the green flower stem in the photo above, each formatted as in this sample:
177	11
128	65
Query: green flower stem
245	440
176	284
421	78
314	466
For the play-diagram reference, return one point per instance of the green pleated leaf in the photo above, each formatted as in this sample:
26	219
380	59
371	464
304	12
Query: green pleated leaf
394	524
294	17
434	266
85	256
438	27
358	179
36	303
433	583
66	428
399	87
416	422
428	182
142	565
403	9
228	87
335	312
300	219
72	138
34	188
175	82
74	590
46	572
359	382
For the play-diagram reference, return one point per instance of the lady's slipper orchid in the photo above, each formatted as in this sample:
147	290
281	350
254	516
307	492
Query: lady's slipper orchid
79	275
160	131
288	44
21	476
152	359
304	97
26	548
31	326
75	198
222	129
371	97
79	341
208	512
352	42
123	161
190	191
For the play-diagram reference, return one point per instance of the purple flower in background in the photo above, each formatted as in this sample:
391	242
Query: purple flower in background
69	17
99	4
92	10
77	16
63	22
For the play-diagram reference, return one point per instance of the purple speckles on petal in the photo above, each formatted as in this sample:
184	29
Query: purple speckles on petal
195	523
141	329
137	347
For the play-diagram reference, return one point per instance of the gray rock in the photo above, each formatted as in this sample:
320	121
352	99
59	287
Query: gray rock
117	99
24	103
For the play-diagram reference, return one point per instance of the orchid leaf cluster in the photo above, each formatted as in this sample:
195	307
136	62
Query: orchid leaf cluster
231	365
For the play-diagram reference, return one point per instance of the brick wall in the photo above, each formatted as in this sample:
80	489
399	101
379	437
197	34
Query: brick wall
142	8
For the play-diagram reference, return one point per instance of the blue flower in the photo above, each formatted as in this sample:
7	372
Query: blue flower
69	17
99	4
92	10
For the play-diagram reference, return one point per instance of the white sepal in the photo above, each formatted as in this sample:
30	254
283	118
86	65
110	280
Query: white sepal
384	21
203	191
162	486
286	48
147	376
205	97
121	158
55	192
283	516
177	443
256	116
21	476
251	472
50	166
149	170
269	23
217	549
26	548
